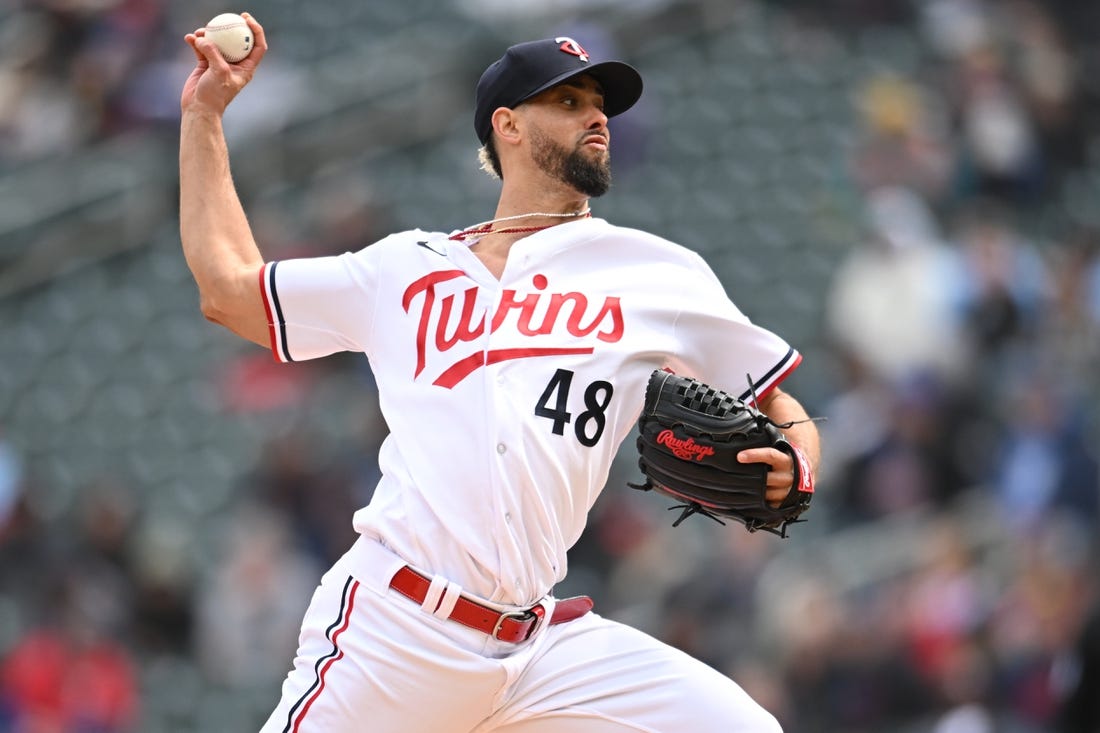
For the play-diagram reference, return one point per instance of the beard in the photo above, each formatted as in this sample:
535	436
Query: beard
589	176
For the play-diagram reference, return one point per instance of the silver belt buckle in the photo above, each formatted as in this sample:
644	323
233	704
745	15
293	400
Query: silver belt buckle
519	616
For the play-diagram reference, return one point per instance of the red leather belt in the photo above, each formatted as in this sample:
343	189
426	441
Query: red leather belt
510	626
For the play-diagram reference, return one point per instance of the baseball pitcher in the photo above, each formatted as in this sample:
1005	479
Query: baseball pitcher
534	342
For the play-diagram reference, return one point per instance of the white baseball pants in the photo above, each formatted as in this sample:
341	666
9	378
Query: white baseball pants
372	661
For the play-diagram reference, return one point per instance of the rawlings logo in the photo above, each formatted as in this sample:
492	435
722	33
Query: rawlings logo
447	321
568	45
685	450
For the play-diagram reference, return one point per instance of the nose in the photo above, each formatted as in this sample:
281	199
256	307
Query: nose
598	120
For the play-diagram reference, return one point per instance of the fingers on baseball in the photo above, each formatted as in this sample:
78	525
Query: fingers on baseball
209	51
258	35
192	39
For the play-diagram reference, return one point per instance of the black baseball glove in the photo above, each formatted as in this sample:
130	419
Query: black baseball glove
690	435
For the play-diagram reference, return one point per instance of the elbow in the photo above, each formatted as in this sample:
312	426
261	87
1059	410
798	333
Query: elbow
212	310
221	294
235	315
232	299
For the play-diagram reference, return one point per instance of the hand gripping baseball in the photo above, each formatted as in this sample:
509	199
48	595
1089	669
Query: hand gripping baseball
215	82
690	435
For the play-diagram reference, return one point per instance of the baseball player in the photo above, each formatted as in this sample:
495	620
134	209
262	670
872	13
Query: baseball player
511	358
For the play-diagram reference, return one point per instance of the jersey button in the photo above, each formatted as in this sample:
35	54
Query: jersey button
501	448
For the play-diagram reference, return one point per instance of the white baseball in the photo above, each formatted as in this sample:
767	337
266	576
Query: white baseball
231	34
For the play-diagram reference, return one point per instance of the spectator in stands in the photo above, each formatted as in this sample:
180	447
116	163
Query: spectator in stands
904	140
1004	286
71	675
887	304
249	609
1066	330
1046	460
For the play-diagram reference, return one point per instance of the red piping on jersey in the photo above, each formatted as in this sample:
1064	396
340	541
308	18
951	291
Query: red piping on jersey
328	665
270	319
779	379
464	367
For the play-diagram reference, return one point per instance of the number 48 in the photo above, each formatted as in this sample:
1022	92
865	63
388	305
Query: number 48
597	397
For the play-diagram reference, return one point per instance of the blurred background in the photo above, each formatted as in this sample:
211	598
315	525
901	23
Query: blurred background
906	190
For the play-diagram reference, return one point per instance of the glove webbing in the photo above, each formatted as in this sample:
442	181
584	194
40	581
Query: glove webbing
702	398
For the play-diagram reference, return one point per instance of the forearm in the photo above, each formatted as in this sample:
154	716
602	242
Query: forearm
217	240
783	408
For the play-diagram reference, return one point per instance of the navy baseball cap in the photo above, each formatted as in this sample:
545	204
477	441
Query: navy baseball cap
529	68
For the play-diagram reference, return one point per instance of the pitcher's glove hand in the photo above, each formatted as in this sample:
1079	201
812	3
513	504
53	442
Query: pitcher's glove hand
690	435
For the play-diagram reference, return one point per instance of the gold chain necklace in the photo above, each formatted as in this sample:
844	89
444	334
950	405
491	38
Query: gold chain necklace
486	227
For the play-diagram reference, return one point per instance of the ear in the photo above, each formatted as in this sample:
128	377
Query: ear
506	125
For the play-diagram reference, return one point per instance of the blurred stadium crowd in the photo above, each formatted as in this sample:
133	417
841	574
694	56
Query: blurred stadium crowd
905	189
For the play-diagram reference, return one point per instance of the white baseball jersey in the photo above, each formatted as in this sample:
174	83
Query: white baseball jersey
508	399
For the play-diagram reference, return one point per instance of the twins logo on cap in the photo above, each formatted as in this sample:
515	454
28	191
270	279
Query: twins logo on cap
526	69
568	45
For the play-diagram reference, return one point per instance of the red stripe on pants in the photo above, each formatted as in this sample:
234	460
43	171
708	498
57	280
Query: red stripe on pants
328	665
